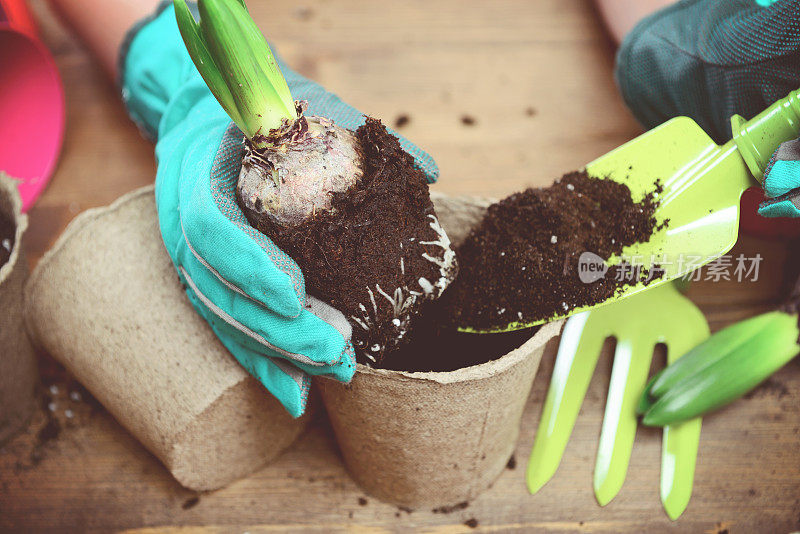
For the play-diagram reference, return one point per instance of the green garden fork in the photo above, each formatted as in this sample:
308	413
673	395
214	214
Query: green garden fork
660	315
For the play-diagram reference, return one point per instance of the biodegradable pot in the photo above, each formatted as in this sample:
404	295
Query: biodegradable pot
435	439
18	375
106	302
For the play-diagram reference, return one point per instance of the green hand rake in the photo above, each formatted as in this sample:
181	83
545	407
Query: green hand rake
661	315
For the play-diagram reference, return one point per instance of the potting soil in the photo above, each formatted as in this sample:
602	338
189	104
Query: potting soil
380	251
521	262
436	346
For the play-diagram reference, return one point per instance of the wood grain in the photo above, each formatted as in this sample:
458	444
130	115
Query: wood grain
536	77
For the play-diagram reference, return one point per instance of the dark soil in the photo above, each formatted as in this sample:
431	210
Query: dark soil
521	263
371	238
435	346
191	502
64	406
401	121
7	233
304	13
770	388
451	509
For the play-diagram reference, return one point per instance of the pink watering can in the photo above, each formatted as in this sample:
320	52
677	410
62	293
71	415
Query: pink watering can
31	103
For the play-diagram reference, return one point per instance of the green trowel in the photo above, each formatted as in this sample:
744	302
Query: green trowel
702	184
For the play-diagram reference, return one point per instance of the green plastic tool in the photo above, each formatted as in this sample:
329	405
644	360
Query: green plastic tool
662	315
702	184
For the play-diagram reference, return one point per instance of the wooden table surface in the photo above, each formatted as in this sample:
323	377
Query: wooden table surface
535	78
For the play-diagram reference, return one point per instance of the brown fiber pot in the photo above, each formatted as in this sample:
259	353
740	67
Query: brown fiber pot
435	439
17	363
106	302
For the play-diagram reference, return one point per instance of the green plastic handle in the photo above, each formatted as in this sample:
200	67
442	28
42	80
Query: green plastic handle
759	137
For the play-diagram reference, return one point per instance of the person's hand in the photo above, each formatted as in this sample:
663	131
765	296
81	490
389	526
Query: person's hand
709	60
250	292
782	182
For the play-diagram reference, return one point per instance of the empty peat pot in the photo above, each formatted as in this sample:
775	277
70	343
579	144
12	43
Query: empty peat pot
432	439
106	302
17	364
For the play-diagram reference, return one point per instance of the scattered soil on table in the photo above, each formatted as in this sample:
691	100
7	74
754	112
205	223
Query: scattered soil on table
521	263
401	120
468	120
530	112
303	13
7	232
770	388
451	509
191	502
63	405
368	255
512	463
471	523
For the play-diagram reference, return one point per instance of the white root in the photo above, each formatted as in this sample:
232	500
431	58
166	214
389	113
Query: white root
446	262
425	284
403	299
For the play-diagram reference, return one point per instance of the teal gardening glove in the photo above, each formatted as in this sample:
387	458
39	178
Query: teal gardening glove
249	291
782	182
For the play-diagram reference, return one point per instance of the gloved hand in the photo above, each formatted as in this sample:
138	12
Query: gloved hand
782	182
250	292
709	60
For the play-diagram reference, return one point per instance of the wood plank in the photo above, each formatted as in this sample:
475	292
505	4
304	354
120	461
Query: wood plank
434	62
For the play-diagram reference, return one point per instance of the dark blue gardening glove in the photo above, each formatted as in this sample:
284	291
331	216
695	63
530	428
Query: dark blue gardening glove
711	59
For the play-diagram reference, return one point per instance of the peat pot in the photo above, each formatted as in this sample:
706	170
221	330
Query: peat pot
17	363
106	302
436	438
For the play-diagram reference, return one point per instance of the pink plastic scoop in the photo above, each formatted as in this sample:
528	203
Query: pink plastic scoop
31	103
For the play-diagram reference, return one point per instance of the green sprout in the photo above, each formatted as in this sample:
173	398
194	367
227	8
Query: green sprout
237	64
721	369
